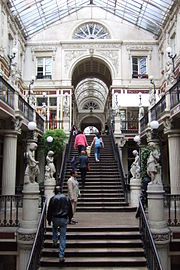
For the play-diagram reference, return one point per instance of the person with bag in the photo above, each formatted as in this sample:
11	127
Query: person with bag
98	144
83	166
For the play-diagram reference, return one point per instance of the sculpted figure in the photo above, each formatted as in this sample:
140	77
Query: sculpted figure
43	110
153	167
50	168
135	167
169	73
32	169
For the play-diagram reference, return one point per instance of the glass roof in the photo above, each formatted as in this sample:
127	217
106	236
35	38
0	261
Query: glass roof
35	15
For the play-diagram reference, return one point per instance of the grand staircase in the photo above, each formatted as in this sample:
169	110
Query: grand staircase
102	239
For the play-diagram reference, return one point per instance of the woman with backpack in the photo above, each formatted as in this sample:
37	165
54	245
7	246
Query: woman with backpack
98	144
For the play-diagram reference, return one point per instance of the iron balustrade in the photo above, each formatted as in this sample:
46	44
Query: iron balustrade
158	109
40	122
65	158
25	108
144	122
53	124
7	93
152	257
130	126
34	258
172	204
175	95
118	159
10	207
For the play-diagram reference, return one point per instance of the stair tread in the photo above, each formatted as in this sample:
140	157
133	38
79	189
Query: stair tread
99	241
96	259
96	249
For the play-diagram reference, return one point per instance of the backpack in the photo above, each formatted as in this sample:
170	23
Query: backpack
98	142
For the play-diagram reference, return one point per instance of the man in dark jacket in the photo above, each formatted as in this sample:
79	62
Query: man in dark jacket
59	210
83	164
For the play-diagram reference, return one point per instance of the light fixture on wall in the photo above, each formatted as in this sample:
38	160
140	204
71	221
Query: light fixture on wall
137	139
170	55
151	78
11	57
154	125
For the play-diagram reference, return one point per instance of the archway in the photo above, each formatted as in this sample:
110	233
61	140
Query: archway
91	121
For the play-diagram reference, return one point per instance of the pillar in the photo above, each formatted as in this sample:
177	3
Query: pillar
157	222
49	186
9	163
27	231
135	191
174	160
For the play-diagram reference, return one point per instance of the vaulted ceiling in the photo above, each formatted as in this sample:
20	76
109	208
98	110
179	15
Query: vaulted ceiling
35	15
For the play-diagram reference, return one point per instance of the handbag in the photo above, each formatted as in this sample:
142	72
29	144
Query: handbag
88	151
88	168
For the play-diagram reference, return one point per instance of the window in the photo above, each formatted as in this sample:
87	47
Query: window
91	31
44	68
139	67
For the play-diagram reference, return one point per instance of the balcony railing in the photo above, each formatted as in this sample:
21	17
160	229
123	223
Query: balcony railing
10	210
25	108
129	126
53	124
6	93
143	122
158	109
172	204
175	95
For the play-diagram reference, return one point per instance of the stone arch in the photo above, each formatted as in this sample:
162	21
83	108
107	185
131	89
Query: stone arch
91	120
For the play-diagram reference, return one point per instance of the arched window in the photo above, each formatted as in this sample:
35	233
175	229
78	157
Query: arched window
91	30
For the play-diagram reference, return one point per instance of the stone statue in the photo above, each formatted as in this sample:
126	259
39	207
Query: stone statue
153	166
43	110
32	169
49	168
152	97
169	73
66	109
141	112
135	167
32	99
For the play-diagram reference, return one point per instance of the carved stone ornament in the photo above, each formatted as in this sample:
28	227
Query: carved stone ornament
161	237
26	237
94	46
17	124
113	56
122	141
139	48
167	125
35	135
169	73
70	56
148	135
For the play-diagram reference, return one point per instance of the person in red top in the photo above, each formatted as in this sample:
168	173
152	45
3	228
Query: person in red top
80	142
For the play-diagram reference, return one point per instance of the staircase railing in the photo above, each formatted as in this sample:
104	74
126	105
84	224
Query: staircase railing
118	159
152	257
34	258
65	158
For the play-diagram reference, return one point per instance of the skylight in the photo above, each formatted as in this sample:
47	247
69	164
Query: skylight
35	15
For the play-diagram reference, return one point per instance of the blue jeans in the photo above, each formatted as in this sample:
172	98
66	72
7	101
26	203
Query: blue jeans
97	152
62	224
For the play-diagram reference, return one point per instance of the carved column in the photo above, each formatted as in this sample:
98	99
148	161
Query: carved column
9	163
174	166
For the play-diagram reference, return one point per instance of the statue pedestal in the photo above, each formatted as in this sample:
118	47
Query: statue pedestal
157	222
49	186
26	232
135	191
117	122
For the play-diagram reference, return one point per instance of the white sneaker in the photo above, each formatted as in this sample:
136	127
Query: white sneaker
97	160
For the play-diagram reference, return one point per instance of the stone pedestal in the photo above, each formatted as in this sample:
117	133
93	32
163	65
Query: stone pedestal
157	222
117	128
135	191
49	186
26	232
9	164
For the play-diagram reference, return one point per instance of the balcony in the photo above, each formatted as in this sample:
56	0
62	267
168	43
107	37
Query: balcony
159	108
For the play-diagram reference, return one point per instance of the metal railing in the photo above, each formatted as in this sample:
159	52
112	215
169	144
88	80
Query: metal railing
129	126
158	109
172	204
10	207
118	159
53	124
25	108
175	95
7	93
65	158
144	122
152	257
34	258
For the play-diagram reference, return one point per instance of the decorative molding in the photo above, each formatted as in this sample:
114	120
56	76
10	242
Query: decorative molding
26	237
112	55
41	50
139	48
87	46
71	55
159	237
167	124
